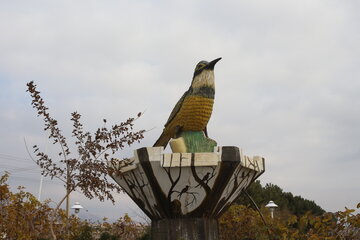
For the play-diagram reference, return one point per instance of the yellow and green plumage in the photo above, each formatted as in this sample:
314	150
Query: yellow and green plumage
192	112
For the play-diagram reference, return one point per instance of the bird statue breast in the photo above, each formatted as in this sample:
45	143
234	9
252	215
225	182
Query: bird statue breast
189	118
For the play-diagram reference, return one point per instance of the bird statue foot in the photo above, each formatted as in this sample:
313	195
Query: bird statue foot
191	142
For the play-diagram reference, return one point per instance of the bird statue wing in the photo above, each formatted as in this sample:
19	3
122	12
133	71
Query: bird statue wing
176	108
166	136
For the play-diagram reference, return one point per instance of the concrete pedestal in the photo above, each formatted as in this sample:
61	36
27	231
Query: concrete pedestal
185	193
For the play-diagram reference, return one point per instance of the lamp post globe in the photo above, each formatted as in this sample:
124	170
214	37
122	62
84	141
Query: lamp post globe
77	207
271	205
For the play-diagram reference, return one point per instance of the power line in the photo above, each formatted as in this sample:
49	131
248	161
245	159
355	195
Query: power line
32	178
18	170
10	157
13	169
11	164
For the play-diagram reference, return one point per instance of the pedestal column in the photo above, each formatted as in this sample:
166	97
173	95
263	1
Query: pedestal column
185	228
185	193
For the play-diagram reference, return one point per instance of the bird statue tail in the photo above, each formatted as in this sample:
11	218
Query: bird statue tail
162	141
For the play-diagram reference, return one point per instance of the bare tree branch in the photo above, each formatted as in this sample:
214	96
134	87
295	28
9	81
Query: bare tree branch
88	171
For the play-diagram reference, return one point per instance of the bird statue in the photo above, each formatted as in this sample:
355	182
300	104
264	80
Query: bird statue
192	112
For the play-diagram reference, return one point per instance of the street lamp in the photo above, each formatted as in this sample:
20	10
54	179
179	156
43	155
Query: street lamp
77	207
271	205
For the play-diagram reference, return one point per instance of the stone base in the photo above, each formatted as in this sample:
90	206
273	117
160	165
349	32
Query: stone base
185	229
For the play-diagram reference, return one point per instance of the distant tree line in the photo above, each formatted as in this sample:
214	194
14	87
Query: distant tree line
286	201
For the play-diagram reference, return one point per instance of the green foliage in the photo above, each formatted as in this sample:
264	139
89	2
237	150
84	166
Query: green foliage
296	205
86	233
107	236
147	234
23	217
242	222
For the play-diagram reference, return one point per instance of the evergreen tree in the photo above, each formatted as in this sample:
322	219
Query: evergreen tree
296	205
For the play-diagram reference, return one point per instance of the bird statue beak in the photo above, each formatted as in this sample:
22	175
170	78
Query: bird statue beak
211	64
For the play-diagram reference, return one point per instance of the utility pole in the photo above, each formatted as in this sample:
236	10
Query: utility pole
67	198
40	187
67	190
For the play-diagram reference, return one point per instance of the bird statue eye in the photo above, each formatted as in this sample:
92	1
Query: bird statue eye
200	66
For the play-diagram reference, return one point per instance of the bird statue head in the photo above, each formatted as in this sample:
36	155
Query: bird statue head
204	74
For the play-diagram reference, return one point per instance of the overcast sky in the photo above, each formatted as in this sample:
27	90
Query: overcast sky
287	87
